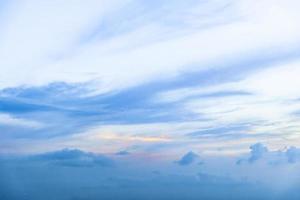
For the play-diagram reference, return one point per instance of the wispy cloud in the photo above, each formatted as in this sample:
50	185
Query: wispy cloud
8	120
251	29
157	77
156	81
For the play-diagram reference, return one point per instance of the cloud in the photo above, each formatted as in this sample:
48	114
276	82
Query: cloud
135	179
161	77
188	159
9	120
61	102
293	154
74	158
221	132
267	112
171	80
145	44
258	150
123	153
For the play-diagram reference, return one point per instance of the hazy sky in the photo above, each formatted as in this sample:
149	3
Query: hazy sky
195	82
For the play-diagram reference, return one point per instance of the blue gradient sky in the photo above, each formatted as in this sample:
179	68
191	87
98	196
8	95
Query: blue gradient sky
200	88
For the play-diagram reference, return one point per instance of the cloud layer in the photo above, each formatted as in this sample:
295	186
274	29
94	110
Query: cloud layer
108	95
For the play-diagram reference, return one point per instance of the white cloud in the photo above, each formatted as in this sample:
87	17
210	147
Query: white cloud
6	119
270	109
36	33
280	82
40	43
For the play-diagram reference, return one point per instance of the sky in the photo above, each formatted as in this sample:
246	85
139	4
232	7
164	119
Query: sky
114	99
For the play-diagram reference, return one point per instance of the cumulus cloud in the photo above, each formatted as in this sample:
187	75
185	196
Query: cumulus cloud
293	154
259	151
188	159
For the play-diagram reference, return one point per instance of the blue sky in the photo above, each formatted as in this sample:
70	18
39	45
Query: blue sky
190	83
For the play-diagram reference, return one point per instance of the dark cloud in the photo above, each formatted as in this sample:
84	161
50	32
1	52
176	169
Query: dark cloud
188	159
123	153
75	158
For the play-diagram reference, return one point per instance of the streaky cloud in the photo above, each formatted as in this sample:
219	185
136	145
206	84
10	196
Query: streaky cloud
74	158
